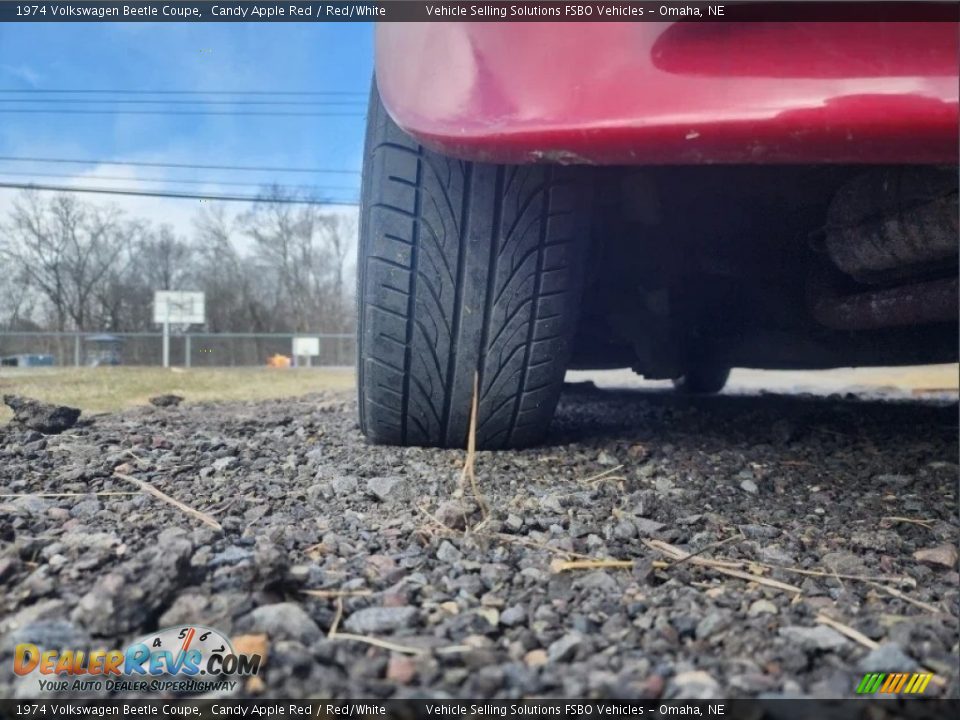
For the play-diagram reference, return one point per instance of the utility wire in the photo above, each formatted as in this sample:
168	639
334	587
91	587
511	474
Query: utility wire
111	101
72	91
77	161
126	178
21	111
178	196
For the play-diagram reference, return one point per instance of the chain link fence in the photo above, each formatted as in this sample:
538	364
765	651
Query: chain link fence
26	349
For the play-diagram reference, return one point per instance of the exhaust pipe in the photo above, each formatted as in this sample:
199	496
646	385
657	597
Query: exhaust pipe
921	303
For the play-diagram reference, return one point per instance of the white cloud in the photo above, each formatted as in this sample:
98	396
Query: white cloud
22	72
174	212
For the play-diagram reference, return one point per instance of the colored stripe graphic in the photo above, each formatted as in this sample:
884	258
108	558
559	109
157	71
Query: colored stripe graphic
870	683
894	683
921	684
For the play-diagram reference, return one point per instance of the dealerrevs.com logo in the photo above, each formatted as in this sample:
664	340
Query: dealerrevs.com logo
192	659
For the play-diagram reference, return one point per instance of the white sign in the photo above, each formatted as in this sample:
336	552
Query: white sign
178	307
306	346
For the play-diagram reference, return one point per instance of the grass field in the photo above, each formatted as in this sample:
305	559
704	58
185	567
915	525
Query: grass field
103	389
114	388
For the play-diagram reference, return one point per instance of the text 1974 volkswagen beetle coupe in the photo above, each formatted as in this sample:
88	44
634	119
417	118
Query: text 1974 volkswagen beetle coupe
678	198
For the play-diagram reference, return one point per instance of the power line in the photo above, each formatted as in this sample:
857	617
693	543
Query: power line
177	196
111	101
245	168
73	91
124	178
21	111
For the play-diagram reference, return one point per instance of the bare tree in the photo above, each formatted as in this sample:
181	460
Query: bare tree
230	280
156	260
65	248
302	252
279	267
162	259
17	302
343	246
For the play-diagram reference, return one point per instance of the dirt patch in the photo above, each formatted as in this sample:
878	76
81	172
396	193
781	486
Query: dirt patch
108	389
656	547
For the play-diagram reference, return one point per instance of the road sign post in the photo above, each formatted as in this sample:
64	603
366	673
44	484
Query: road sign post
166	344
177	308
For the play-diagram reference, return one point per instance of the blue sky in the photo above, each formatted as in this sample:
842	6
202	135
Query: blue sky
193	57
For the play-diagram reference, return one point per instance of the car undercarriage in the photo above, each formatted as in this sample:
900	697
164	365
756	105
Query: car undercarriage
771	267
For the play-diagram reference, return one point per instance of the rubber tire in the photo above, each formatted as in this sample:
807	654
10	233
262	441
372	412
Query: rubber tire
464	268
702	380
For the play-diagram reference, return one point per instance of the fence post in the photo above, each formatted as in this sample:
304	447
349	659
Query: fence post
76	349
186	350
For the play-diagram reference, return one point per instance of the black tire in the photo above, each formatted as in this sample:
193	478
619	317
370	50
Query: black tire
464	268
702	380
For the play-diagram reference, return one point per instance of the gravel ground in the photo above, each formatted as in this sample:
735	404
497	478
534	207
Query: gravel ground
862	495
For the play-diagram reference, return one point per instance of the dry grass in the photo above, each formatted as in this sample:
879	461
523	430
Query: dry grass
468	474
721	566
334	634
163	497
337	593
116	388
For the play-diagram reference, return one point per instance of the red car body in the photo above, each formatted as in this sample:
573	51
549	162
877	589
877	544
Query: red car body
773	195
676	93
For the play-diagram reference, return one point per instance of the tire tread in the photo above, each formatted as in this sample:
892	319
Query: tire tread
477	268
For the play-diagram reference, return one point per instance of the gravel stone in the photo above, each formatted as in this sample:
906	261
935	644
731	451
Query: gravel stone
284	621
762	607
625	530
712	624
448	553
380	619
941	556
597	580
166	401
388	488
564	648
814	638
401	669
42	417
760	532
608	459
514	615
305	503
225	463
695	685
514	522
345	485
844	562
885	658
646	526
